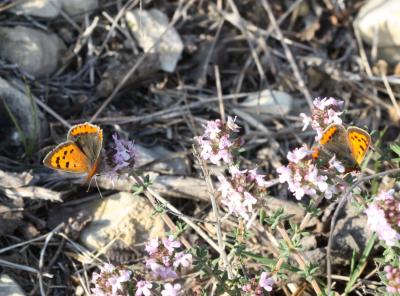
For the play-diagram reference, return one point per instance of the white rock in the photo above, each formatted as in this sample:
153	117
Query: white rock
267	102
41	8
148	26
8	287
77	8
381	18
36	52
176	166
124	216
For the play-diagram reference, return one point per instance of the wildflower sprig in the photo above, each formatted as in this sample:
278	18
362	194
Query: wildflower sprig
384	217
303	173
325	112
165	260
220	141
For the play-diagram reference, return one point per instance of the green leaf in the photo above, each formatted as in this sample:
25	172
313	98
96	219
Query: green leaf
361	264
262	216
395	148
269	262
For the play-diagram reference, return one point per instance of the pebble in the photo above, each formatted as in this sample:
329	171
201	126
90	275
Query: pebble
381	18
36	52
47	9
9	287
122	216
267	102
148	26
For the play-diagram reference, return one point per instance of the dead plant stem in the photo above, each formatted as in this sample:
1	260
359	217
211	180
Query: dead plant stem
299	259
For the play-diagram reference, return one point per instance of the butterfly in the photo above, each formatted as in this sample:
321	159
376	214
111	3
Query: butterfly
80	153
349	145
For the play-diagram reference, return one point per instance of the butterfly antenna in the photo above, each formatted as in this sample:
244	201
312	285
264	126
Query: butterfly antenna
97	186
90	183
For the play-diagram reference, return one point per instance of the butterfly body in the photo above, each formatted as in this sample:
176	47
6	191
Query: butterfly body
80	153
348	145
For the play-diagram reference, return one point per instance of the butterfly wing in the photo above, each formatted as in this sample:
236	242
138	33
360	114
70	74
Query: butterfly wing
334	142
358	141
89	138
67	157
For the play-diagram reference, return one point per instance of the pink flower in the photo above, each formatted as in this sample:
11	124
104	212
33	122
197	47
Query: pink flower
393	279
298	154
165	259
107	267
336	164
334	117
285	174
112	279
325	103
171	244
325	112
241	191
257	288
303	177
385	195
330	191
124	153
224	142
143	288
266	282
219	141
213	128
183	259
172	290
160	271
152	246
315	178
384	217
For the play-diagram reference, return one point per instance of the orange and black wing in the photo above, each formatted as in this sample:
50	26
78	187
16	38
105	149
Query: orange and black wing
359	141
67	157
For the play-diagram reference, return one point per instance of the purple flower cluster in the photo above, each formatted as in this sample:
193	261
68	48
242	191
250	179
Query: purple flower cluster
144	289
393	278
325	112
121	157
303	177
111	281
239	192
219	141
172	290
165	258
258	288
384	217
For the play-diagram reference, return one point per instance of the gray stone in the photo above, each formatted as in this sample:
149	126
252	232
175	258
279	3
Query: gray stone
309	242
162	158
148	26
36	52
351	233
77	8
21	107
8	287
268	103
123	217
381	18
40	8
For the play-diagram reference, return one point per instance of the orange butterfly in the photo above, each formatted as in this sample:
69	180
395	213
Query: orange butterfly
349	145
80	153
